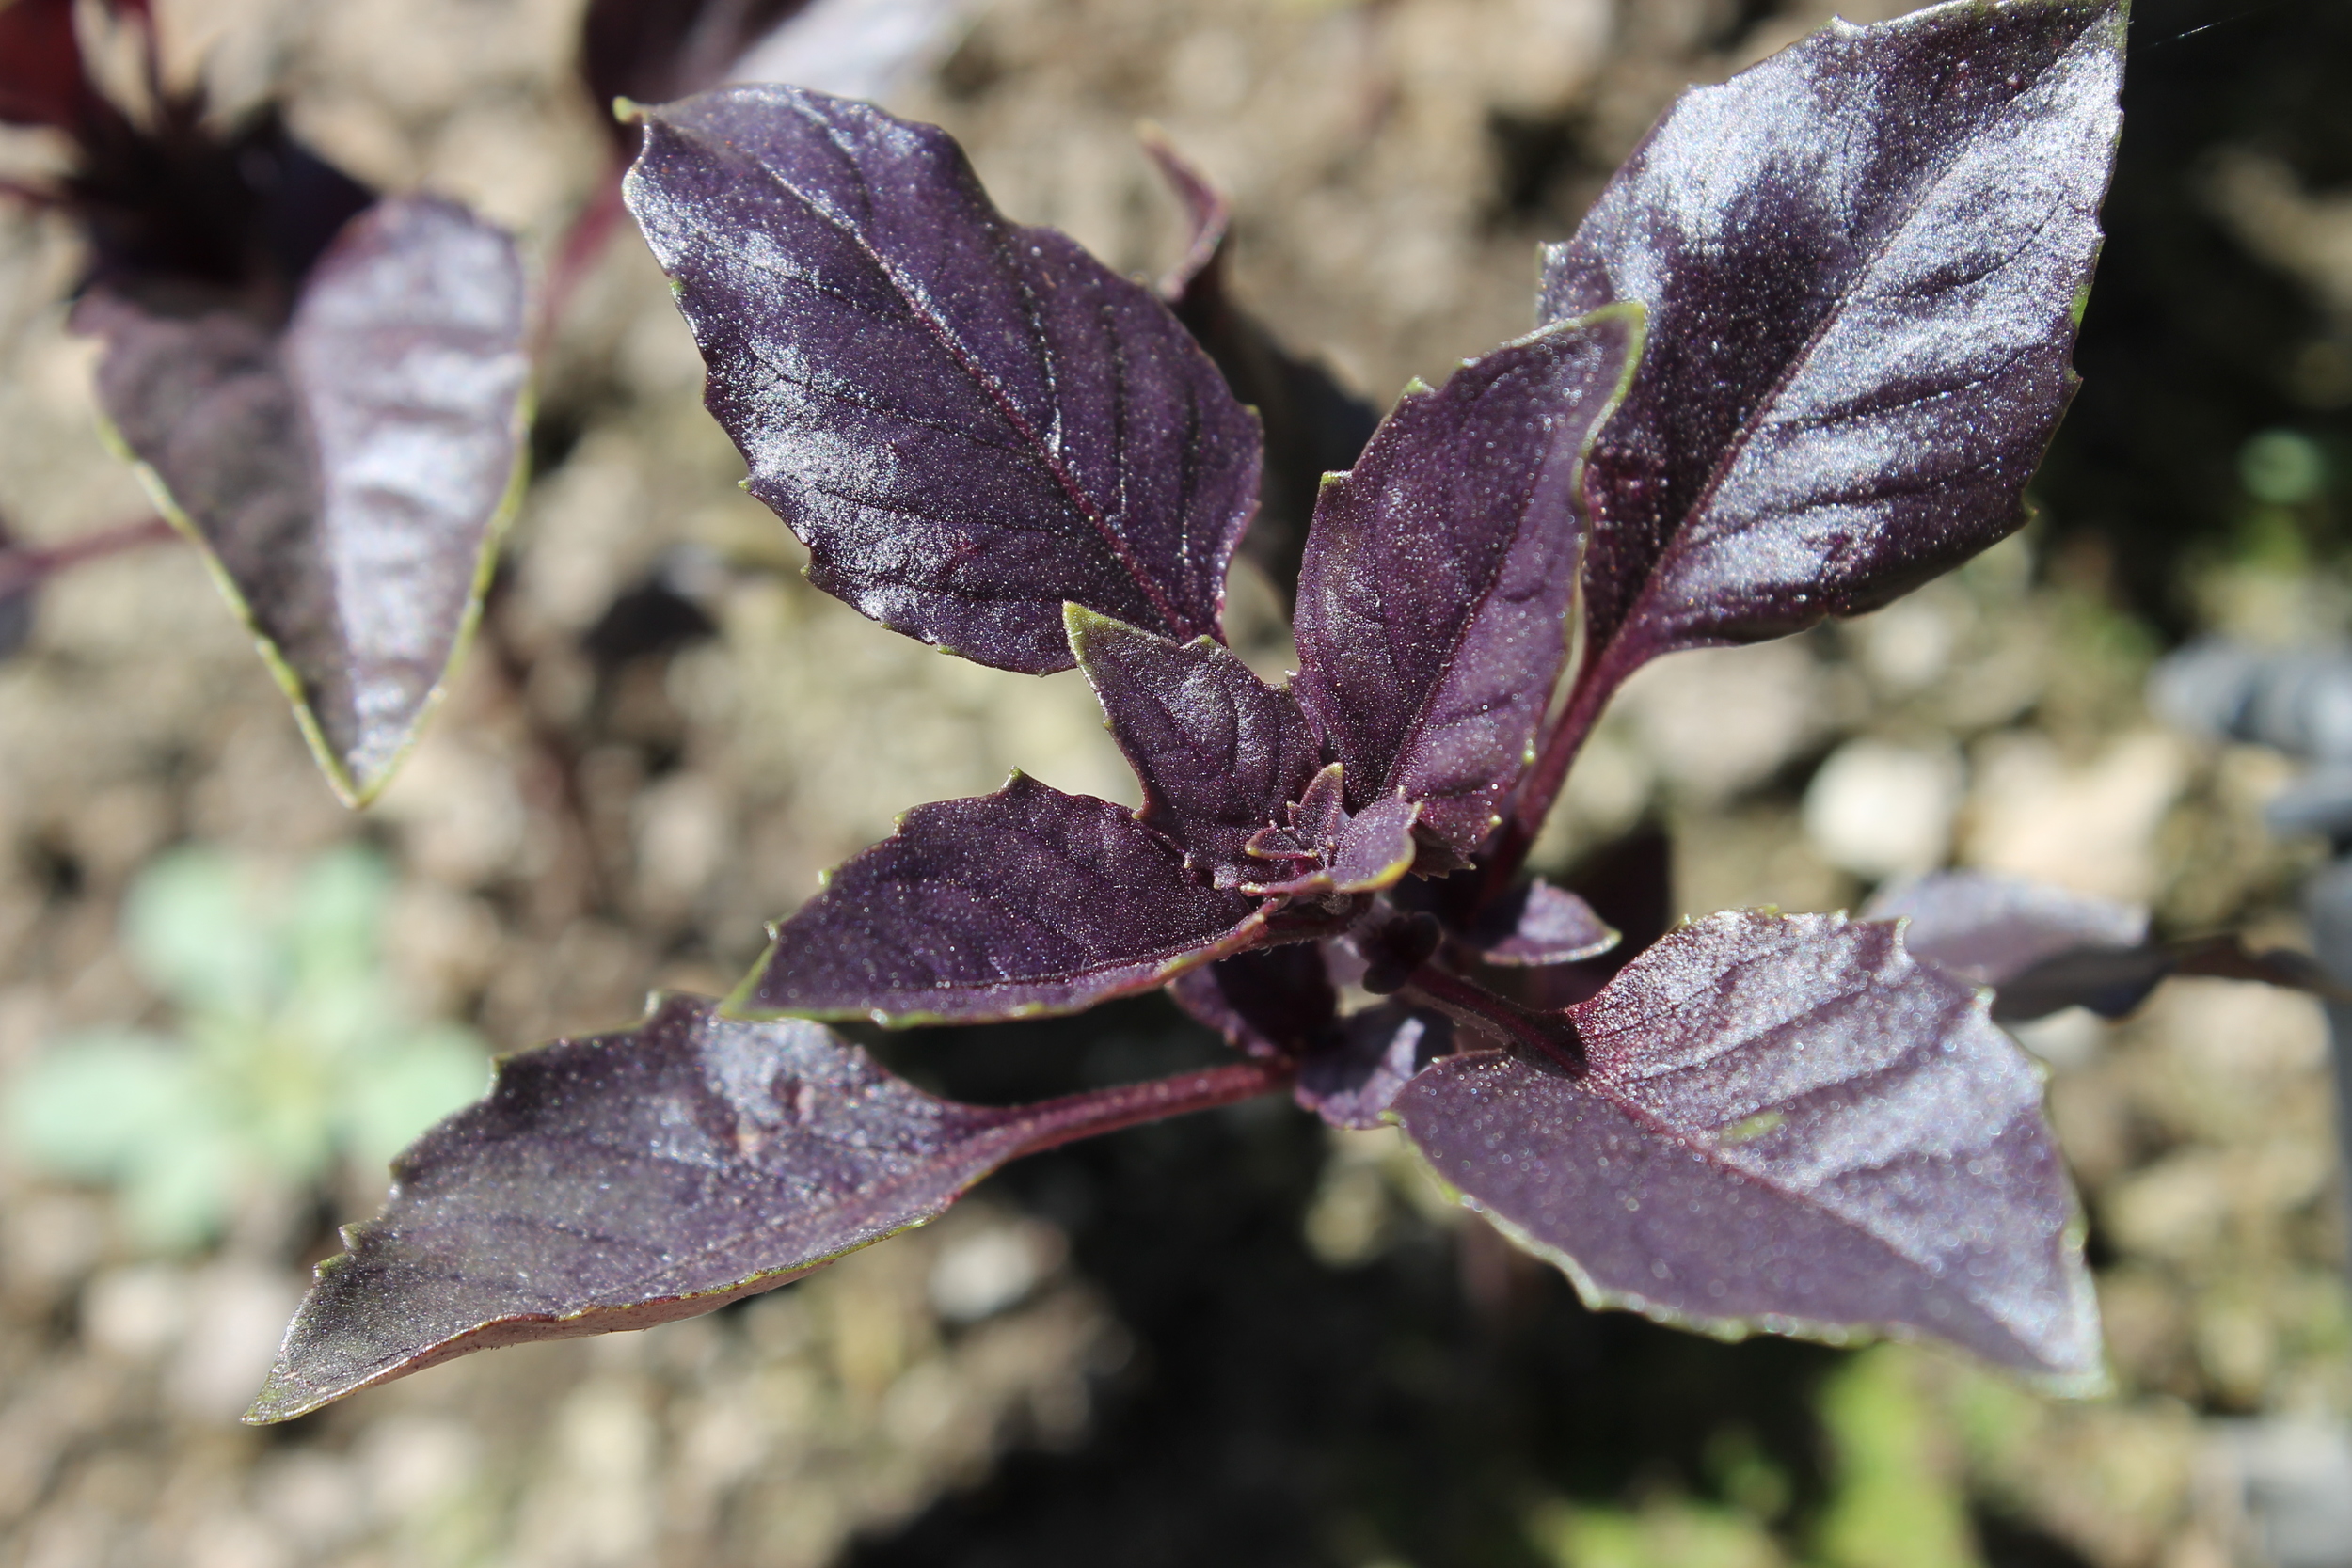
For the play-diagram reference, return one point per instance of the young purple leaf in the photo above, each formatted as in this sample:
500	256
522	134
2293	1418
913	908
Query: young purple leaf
1355	1074
1219	751
1272	1002
1783	1124
1988	929
348	476
630	1180
1863	261
1537	925
1201	271
967	421
1434	596
1328	850
1012	904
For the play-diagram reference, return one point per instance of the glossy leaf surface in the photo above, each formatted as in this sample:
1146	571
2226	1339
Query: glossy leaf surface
347	476
1434	596
1218	751
968	422
1011	905
1783	1124
1862	260
628	1180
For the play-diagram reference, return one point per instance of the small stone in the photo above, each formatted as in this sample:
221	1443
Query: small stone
1881	810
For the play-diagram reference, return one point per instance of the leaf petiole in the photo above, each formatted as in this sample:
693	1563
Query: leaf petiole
1096	1112
1550	1037
28	568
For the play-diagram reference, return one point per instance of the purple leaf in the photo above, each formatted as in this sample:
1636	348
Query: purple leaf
630	1180
1219	751
1356	1075
1011	905
1272	1002
1783	1124
968	422
346	476
1537	925
1328	850
41	77
1201	271
651	51
1989	929
1314	425
1432	600
853	48
1863	261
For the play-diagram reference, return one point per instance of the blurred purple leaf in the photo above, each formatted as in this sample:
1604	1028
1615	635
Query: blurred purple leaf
2044	949
1783	1124
1864	260
1314	425
1011	905
1209	214
968	422
1272	1002
851	48
42	76
1353	1077
630	1180
1434	596
1537	925
1219	751
347	475
653	51
1988	929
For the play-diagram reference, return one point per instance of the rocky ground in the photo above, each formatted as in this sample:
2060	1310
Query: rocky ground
1237	1339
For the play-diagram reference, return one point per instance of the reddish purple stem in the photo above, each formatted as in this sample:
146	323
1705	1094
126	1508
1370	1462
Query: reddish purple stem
22	569
576	254
1549	1035
1098	1110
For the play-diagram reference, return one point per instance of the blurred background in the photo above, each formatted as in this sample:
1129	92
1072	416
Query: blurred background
1237	1339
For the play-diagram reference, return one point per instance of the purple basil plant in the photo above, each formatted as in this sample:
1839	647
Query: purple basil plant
1802	355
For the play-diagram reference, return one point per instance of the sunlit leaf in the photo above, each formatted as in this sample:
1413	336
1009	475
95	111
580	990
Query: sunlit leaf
1783	1123
1862	260
627	1180
1219	751
969	423
1434	596
346	476
1025	902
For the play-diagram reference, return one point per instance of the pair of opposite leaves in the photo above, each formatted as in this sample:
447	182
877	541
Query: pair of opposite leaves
1859	265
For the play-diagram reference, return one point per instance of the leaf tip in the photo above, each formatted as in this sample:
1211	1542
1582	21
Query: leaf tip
280	1400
